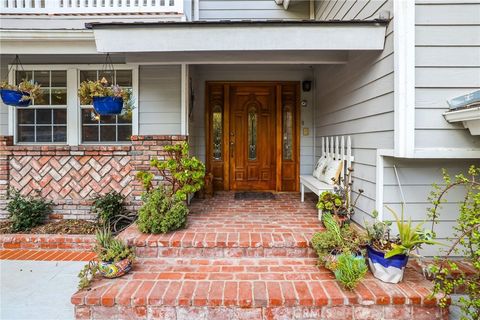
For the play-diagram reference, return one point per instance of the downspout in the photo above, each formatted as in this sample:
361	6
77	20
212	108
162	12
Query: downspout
196	10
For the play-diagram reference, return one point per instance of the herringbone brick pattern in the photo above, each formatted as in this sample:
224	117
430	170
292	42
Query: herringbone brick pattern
70	177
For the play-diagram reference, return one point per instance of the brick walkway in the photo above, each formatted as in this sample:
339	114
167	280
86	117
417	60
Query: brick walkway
245	260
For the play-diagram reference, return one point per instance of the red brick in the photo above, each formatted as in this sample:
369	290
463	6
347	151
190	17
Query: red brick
185	296
215	295
397	312
368	312
170	297
230	294
303	293
139	298
201	293
83	313
337	312
155	296
288	292
245	294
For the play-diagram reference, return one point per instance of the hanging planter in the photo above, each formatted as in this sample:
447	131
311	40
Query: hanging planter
108	105
386	269
20	95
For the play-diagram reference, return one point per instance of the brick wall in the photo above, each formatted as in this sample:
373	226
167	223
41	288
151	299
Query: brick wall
71	176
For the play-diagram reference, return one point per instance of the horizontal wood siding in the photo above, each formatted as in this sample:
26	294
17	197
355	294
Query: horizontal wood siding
350	10
252	10
416	179
447	60
357	99
253	73
159	100
3	108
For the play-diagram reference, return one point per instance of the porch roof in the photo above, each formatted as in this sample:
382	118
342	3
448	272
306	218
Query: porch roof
251	36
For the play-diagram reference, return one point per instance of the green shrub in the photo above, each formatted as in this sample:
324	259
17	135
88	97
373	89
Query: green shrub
161	213
350	270
27	212
108	206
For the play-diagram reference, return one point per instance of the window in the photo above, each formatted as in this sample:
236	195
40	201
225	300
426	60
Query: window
217	132
115	128
252	133
46	119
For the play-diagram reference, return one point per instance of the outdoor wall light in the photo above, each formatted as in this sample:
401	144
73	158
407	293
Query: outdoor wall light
306	86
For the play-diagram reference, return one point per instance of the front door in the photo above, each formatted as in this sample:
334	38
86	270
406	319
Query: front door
252	135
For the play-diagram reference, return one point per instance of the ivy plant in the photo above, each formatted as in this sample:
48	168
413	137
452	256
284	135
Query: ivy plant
448	277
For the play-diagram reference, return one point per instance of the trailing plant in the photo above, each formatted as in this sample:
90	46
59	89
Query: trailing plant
101	88
350	270
27	212
32	90
185	174
111	211
339	202
108	249
448	277
160	212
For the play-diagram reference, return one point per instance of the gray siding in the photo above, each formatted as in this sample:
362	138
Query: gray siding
252	73
416	178
350	10
252	10
159	100
3	108
356	99
447	54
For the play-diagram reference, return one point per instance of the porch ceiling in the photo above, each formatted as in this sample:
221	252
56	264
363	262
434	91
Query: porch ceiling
239	36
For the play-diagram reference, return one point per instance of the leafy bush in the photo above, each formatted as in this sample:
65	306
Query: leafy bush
184	173
161	213
27	212
447	276
350	270
108	206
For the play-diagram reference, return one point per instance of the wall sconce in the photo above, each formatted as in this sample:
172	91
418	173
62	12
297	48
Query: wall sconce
306	86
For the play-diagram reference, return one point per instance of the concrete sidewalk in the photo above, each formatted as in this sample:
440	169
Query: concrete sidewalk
37	289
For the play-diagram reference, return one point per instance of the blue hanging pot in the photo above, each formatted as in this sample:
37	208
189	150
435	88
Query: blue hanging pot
386	269
107	105
14	98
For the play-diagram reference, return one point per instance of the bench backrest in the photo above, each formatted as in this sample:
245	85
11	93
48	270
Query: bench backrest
339	148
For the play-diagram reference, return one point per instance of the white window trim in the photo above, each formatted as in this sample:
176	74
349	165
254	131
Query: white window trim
73	101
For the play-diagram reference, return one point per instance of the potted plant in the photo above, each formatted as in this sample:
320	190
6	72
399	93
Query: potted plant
388	256
20	95
106	99
115	259
339	202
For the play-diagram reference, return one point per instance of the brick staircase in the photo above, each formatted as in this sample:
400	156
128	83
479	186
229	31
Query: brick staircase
245	260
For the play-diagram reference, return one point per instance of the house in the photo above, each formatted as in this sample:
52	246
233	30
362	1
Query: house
253	86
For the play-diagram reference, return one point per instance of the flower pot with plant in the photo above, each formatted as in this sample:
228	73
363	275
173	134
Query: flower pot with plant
115	259
106	99
388	256
20	95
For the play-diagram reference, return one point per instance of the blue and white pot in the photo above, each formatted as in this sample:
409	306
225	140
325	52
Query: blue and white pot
386	269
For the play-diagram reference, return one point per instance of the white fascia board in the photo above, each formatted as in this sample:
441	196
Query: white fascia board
469	117
404	77
171	38
47	42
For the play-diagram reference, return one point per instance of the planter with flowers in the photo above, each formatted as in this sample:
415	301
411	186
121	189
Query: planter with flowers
20	95
388	256
106	99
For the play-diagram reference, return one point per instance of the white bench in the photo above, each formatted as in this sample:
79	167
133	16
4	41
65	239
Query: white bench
331	147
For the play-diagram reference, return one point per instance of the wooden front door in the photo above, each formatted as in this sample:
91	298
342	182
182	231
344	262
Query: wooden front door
252	135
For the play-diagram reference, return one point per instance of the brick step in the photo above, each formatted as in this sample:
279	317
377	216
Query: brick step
249	288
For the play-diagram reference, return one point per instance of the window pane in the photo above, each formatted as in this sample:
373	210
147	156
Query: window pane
217	134
44	134
26	116
44	99
108	119
125	117
124	78
89	117
107	133
90	133
60	134
59	97
88	75
252	135
26	134
23	75
287	134
59	79
42	78
44	116
124	133
59	116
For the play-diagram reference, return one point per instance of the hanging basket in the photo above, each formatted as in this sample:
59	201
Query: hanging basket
14	98
386	269
108	105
